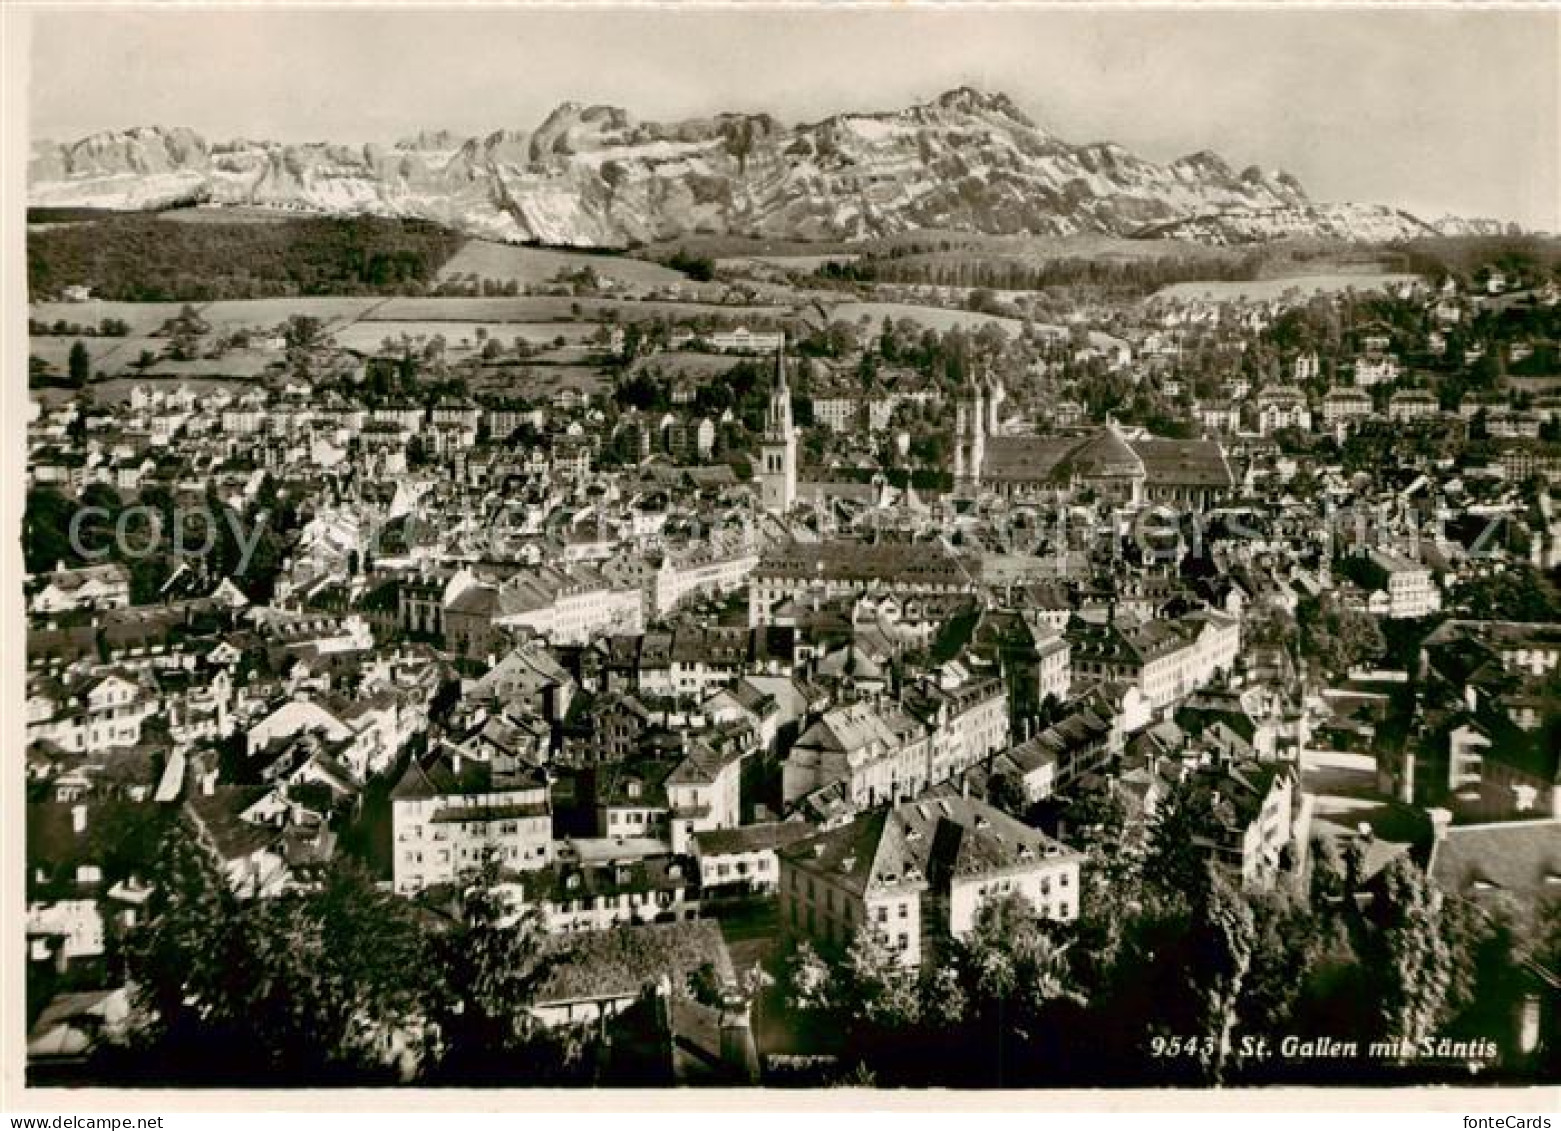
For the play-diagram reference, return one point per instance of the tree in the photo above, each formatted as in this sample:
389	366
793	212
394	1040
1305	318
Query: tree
1019	988
1005	791
1338	637
80	366
185	962
1409	945
1173	862
1223	943
487	970
275	990
808	981
322	1004
876	989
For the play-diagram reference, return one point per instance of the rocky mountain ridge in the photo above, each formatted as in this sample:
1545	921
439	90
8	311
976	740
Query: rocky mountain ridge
595	176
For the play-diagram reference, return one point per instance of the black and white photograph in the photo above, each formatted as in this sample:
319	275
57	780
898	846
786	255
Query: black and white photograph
924	551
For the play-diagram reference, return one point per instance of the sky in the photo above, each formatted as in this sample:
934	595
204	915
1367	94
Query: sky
1436	110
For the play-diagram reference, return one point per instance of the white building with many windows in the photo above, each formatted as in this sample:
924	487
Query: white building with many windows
448	810
918	874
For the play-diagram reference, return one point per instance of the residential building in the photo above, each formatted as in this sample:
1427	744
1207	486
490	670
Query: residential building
918	873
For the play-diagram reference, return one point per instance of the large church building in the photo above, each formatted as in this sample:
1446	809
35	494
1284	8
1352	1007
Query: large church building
1119	470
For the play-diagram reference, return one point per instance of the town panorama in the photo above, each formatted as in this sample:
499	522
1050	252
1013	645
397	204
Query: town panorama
901	600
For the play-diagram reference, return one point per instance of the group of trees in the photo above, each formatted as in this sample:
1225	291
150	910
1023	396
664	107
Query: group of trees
145	259
111	528
291	991
915	264
61	328
700	268
1337	637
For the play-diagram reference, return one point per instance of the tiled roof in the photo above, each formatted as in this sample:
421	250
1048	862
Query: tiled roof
921	842
623	961
1518	859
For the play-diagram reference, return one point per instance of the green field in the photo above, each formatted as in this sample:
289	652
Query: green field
227	214
110	355
267	313
141	317
554	309
784	262
1262	290
531	265
369	336
938	317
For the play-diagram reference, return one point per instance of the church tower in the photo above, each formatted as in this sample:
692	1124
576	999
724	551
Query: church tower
778	447
969	436
977	437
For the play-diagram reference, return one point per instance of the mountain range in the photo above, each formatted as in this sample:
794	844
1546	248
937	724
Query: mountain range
595	176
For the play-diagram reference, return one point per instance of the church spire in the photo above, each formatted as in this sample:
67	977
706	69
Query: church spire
778	423
778	447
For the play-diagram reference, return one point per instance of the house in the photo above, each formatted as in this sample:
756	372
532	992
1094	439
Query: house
246	842
1504	861
1345	405
875	753
528	680
832	569
72	1027
602	895
917	873
1409	589
743	861
703	791
93	713
1218	415
1282	406
1080	743
1375	369
1411	404
1252	806
88	587
448	811
609	731
1166	660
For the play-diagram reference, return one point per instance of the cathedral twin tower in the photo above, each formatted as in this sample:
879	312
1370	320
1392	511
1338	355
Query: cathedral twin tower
976	417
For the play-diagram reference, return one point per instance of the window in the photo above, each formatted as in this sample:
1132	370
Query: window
903	941
905	911
883	914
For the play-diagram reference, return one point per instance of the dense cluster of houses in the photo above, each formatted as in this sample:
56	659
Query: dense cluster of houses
649	689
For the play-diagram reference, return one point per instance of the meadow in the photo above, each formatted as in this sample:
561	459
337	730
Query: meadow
109	355
368	336
546	308
141	317
1262	290
528	266
937	317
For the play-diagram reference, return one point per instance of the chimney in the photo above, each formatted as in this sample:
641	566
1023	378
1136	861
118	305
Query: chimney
78	819
1440	820
209	782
